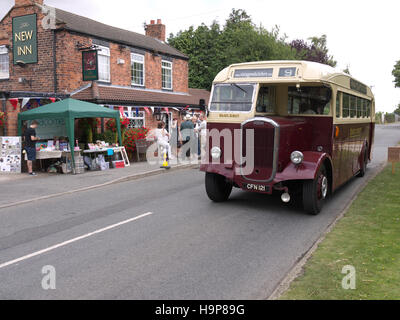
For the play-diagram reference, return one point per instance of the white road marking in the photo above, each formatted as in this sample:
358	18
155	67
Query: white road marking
34	254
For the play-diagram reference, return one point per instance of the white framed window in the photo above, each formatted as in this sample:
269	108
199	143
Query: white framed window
136	120
166	74
4	63
104	64
137	69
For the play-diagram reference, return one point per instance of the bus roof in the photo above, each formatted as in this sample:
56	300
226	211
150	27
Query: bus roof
289	71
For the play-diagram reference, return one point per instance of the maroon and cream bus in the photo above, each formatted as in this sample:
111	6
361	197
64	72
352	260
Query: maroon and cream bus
294	127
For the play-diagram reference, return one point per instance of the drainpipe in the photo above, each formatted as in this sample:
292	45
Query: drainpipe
55	61
4	103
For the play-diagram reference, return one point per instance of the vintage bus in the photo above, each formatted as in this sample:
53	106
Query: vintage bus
312	130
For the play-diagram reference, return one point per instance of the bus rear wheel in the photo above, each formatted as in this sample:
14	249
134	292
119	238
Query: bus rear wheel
217	188
364	164
315	192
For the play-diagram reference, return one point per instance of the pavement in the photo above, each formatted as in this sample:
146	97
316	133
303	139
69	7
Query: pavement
160	237
24	188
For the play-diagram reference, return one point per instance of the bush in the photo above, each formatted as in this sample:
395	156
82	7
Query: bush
390	118
133	135
110	124
108	136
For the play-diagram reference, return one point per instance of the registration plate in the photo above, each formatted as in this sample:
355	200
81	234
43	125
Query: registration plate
256	187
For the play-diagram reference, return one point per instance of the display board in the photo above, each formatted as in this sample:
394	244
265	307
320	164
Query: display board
10	155
50	128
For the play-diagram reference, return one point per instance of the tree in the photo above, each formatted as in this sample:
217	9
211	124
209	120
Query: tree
396	74
378	117
213	48
347	70
397	111
316	51
390	117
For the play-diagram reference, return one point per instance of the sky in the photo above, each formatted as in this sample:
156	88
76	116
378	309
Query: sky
361	34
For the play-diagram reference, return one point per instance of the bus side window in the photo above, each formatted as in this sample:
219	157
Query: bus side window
338	100
353	107
368	109
266	100
364	108
327	109
346	105
359	108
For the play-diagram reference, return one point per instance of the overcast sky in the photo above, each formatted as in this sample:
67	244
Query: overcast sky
363	34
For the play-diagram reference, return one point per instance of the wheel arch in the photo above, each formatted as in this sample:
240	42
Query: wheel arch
308	169
329	170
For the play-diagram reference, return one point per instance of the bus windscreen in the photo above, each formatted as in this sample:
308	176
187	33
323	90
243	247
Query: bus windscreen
232	97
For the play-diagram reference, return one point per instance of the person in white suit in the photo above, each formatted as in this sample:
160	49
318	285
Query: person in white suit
162	136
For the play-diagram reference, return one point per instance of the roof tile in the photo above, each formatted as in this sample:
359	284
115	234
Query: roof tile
126	95
94	28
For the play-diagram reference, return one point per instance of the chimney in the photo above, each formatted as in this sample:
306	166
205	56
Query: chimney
156	30
21	3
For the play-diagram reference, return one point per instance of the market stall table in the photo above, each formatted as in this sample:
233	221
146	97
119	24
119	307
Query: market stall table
41	155
55	154
111	151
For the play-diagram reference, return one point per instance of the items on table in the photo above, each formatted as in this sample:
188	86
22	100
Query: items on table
99	145
57	144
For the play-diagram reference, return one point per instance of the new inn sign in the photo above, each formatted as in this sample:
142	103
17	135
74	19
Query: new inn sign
25	39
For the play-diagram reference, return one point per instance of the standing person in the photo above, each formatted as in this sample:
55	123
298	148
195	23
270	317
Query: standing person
187	134
197	124
174	136
30	145
162	137
203	134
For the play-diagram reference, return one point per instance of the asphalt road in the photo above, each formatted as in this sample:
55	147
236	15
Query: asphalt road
187	248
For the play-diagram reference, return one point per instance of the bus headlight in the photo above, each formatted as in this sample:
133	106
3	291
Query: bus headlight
297	157
216	153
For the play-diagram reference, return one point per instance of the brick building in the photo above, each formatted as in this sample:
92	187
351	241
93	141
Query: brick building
41	60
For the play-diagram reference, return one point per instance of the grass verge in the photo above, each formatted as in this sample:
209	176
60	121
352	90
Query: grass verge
367	238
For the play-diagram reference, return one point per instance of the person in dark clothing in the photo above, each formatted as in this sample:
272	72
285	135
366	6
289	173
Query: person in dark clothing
187	134
30	145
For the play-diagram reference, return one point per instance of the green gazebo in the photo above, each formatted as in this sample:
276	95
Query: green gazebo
70	110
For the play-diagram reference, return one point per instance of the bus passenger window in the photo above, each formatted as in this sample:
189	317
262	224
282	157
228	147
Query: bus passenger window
353	106
338	99
364	108
266	100
346	105
368	109
309	100
359	108
327	109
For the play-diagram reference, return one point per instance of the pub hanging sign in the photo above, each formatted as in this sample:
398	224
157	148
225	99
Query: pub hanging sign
24	31
90	69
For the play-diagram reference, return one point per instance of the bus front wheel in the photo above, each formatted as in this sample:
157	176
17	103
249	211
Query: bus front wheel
315	192
217	188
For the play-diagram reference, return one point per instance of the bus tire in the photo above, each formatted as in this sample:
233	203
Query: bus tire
218	190
364	164
315	192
